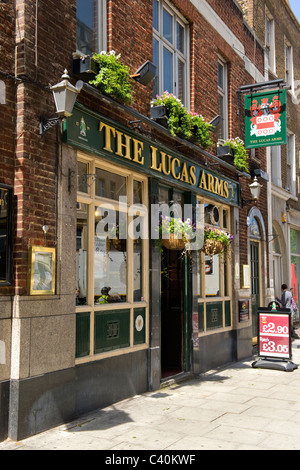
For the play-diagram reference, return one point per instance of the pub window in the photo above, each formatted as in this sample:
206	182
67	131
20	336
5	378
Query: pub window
90	26
5	235
170	51
213	273
111	260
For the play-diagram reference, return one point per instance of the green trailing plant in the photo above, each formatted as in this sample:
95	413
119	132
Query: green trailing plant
239	153
183	230
183	123
201	130
113	77
216	241
219	235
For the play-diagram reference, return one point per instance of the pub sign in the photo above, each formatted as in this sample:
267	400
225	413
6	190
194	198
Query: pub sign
265	119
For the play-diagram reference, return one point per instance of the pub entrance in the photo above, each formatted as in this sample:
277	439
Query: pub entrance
172	317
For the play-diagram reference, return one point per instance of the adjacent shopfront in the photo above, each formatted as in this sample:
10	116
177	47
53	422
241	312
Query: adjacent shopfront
131	295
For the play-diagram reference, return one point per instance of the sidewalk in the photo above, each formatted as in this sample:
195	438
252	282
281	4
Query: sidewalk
236	408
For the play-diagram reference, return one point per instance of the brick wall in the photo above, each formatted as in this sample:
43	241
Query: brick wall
43	50
45	40
7	109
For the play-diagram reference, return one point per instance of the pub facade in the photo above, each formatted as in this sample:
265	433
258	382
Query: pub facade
93	308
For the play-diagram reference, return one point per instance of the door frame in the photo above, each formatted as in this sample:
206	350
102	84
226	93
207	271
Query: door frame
259	238
186	323
257	245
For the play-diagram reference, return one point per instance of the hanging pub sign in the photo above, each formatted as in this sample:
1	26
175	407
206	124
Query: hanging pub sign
5	234
265	119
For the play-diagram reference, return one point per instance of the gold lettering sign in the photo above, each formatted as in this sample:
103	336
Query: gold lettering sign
123	144
213	184
129	148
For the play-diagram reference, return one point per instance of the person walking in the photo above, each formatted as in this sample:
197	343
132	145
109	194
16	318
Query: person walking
287	302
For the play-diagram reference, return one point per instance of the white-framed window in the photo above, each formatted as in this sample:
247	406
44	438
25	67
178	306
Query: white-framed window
91	27
288	64
170	51
276	165
291	164
112	284
270	41
223	98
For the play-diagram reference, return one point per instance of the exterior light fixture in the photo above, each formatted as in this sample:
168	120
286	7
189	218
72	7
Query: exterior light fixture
255	189
65	96
145	73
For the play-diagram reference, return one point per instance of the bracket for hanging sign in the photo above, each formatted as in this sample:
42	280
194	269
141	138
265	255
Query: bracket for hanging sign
251	88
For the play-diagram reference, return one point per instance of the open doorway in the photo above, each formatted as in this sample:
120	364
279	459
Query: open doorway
171	314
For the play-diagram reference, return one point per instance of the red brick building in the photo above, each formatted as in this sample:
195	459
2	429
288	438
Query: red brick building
63	351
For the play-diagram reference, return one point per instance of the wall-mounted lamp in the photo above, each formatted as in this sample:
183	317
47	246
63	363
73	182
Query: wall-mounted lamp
65	96
255	189
145	73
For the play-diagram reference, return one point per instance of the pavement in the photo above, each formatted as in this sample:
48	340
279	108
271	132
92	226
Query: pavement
237	407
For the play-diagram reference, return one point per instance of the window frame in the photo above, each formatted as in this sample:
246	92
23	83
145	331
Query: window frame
291	163
289	64
270	41
158	36
276	173
91	200
101	29
223	93
206	302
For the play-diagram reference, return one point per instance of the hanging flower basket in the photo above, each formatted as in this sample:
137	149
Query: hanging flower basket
216	241
173	243
175	233
213	247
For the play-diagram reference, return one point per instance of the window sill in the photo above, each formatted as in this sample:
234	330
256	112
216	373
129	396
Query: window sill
105	355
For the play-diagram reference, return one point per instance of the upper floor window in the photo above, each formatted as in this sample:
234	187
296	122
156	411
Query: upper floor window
170	52
91	26
222	99
276	165
291	164
289	67
270	42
